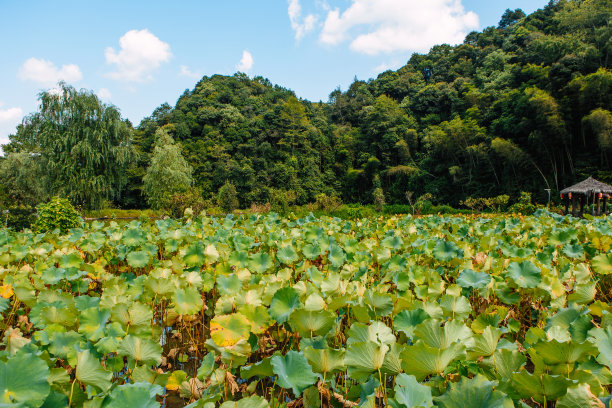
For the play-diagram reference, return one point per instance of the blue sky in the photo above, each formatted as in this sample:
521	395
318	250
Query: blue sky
140	54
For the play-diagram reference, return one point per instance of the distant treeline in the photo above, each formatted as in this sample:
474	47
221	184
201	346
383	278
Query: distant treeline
523	106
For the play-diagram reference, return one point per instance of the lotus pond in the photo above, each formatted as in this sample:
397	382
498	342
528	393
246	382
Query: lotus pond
262	311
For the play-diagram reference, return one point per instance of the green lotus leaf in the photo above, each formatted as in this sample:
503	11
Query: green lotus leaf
228	330
583	293
392	364
89	371
23	381
92	323
553	352
293	372
435	336
422	360
229	285
469	279
258	317
455	306
603	341
138	259
579	396
445	251
207	366
287	255
377	332
507	362
381	303
311	251
602	264
309	324
364	358
336	256
71	260
146	374
475	392
239	258
56	314
211	254
262	368
194	255
260	262
525	274
410	393
137	395
284	302
63	344
140	350
325	361
4	304
134	237
540	387
485	344
573	251
407	320
254	401
187	301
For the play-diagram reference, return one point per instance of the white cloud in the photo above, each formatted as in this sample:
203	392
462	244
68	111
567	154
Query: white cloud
186	72
9	119
381	68
104	93
246	62
299	25
384	26
141	52
47	73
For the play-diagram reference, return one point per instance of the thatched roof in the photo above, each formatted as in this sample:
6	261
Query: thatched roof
588	186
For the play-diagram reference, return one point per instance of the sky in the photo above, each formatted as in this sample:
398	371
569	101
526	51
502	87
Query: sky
139	54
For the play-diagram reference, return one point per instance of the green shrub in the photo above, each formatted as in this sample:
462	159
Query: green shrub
523	205
326	202
227	198
58	213
178	202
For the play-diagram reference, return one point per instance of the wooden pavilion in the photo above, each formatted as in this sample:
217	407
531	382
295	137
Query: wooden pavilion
600	192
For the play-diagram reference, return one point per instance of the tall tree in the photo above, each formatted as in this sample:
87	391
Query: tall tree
84	145
168	173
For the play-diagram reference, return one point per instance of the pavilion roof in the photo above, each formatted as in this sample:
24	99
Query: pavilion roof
588	186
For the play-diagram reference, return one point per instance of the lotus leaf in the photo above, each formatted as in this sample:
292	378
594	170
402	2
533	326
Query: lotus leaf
364	358
284	302
187	301
140	350
23	381
90	372
138	259
410	393
325	361
579	396
309	324
540	387
525	274
422	360
446	251
228	330
475	392
602	264
293	372
470	279
138	395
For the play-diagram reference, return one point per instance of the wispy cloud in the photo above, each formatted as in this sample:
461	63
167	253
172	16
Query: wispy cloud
186	72
9	119
300	25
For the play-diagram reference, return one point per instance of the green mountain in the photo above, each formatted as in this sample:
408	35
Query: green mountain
523	106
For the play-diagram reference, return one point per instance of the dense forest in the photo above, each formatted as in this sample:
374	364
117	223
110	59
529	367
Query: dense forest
523	106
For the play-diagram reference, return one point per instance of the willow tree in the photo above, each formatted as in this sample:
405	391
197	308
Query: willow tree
168	172
83	145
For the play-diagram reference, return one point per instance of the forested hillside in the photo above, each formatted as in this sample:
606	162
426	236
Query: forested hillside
523	106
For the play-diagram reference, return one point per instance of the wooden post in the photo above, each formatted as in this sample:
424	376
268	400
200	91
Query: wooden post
573	205
581	204
599	204
566	203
